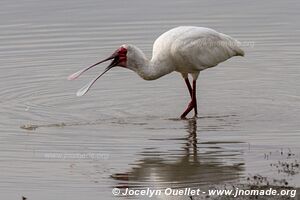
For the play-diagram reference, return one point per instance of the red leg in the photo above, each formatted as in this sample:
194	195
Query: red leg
192	104
195	96
187	82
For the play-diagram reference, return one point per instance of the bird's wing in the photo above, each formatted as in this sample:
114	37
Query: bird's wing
203	48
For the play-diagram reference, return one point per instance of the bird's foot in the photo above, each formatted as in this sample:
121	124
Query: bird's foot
183	117
192	104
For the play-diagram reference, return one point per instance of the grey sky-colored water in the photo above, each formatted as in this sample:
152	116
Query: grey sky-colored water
123	132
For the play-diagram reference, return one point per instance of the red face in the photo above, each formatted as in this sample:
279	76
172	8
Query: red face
122	57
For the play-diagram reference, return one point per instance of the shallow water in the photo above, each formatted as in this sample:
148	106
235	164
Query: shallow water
124	132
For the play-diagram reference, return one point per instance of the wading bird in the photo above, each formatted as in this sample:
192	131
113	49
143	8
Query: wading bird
185	49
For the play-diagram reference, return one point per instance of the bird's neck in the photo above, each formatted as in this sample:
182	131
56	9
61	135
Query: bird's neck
151	69
154	69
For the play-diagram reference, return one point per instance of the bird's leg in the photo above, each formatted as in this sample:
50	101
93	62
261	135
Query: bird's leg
187	82
192	104
191	92
195	98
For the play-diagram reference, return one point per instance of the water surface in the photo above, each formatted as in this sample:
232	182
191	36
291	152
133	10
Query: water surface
123	133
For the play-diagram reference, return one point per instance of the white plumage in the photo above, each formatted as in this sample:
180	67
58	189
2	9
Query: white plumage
185	49
193	49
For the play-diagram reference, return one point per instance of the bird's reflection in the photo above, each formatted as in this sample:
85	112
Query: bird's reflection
195	164
191	144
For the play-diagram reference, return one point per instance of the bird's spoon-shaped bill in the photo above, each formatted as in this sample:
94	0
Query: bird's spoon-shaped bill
77	74
86	88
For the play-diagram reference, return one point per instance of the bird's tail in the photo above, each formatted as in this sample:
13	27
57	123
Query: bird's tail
239	52
233	46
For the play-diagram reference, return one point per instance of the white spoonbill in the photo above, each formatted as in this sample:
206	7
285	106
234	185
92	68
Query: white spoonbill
185	49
